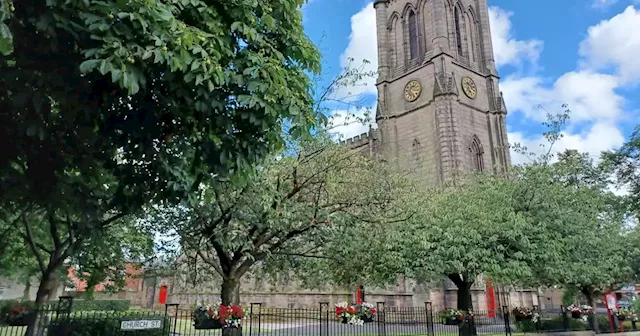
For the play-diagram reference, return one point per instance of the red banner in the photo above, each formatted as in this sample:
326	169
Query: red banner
358	294
491	300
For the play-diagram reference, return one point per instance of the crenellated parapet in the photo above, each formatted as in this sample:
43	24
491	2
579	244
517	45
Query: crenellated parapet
357	141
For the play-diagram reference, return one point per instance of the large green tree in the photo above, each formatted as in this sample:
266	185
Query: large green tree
576	223
466	230
625	163
106	105
290	209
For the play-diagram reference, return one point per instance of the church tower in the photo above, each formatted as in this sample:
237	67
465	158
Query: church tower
440	111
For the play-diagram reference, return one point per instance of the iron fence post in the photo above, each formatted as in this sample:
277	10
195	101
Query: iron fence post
382	318
324	309
173	323
252	314
65	303
507	323
429	314
565	318
633	325
538	323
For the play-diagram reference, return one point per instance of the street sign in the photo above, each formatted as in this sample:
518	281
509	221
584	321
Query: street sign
611	301
141	324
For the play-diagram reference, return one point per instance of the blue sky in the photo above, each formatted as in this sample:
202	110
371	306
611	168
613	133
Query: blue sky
585	53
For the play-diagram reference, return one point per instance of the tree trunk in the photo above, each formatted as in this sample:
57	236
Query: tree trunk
589	295
46	288
464	296
230	295
26	293
465	302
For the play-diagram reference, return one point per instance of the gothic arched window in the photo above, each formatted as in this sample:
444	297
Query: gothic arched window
477	162
413	35
415	154
456	19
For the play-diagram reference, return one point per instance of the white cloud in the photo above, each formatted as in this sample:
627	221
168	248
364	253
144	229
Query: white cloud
615	43
599	137
363	45
603	3
507	49
591	96
348	124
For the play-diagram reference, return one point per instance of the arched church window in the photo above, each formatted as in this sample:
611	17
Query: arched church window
477	162
413	35
456	19
415	154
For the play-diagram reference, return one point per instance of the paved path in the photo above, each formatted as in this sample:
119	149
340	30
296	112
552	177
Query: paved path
333	328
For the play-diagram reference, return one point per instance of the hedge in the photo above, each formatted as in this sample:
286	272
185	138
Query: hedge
604	327
5	308
104	326
101	305
555	324
80	305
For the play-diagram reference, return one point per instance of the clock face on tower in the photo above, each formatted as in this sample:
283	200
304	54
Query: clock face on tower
412	90
469	87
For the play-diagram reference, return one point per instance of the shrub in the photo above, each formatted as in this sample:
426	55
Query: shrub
78	305
603	324
13	311
555	324
104	326
101	305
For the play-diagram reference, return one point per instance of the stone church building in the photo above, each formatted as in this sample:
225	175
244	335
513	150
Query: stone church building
440	111
440	114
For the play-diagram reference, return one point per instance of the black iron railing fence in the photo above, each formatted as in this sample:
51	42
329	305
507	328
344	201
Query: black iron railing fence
177	320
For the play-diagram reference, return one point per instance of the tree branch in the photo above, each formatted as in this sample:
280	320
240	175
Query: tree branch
53	230
32	245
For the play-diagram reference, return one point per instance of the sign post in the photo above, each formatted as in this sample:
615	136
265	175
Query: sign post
612	304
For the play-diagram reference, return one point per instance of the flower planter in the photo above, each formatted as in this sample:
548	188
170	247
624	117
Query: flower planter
207	324
22	321
345	320
452	321
523	318
622	318
576	315
367	319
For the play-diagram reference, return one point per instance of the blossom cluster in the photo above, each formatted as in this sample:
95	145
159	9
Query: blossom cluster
355	314
525	313
230	316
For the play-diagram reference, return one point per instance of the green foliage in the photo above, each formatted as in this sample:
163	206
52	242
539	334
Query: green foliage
137	101
103	261
12	311
299	206
625	162
546	325
569	295
105	325
78	305
469	229
209	86
577	225
101	305
604	325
